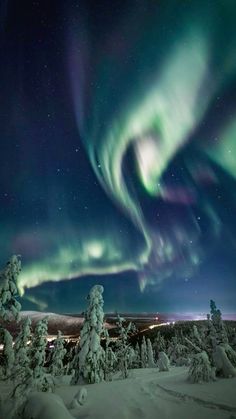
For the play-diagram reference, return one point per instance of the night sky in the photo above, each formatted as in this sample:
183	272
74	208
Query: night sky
118	152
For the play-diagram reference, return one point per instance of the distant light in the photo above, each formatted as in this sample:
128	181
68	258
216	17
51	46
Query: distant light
159	325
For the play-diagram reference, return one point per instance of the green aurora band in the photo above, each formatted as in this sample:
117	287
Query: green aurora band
157	109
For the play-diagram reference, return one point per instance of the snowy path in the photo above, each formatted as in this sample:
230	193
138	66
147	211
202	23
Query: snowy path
208	404
150	394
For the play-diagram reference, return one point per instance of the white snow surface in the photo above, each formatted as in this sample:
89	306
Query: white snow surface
45	406
150	394
146	394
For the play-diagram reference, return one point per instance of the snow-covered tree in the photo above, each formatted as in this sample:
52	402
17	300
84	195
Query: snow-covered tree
89	361
39	343
200	369
138	354
21	374
176	351
21	378
71	360
223	355
220	355
196	334
58	354
110	363
9	306
220	330
144	355
41	381
150	358
159	344
23	337
7	357
124	351
163	362
233	343
224	358
137	358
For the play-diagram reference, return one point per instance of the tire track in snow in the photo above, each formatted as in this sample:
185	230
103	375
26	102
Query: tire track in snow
204	403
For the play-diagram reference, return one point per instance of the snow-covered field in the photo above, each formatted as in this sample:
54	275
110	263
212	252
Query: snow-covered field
151	394
146	394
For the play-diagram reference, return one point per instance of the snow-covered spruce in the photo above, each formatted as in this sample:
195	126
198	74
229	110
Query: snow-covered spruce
233	343
110	364
23	336
58	353
22	374
200	369
176	351
223	355
216	318
150	357
137	357
144	355
71	359
9	306
110	358
214	343
224	358
159	344
124	352
40	380
7	357
163	362
89	361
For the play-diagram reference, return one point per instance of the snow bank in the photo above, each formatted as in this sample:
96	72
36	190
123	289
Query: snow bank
45	406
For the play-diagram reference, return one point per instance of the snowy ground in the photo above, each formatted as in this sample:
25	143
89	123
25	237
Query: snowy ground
147	394
151	394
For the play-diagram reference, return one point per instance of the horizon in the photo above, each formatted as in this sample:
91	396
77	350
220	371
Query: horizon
142	315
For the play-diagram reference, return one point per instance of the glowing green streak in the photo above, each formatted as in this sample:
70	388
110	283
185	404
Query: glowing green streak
169	111
72	262
224	150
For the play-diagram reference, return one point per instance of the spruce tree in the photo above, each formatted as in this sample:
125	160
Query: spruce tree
163	362
7	357
9	306
144	355
200	369
89	361
23	337
38	354
159	344
137	358
58	353
123	349
110	363
22	373
150	358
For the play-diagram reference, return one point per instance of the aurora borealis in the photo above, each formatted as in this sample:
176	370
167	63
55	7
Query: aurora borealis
118	152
